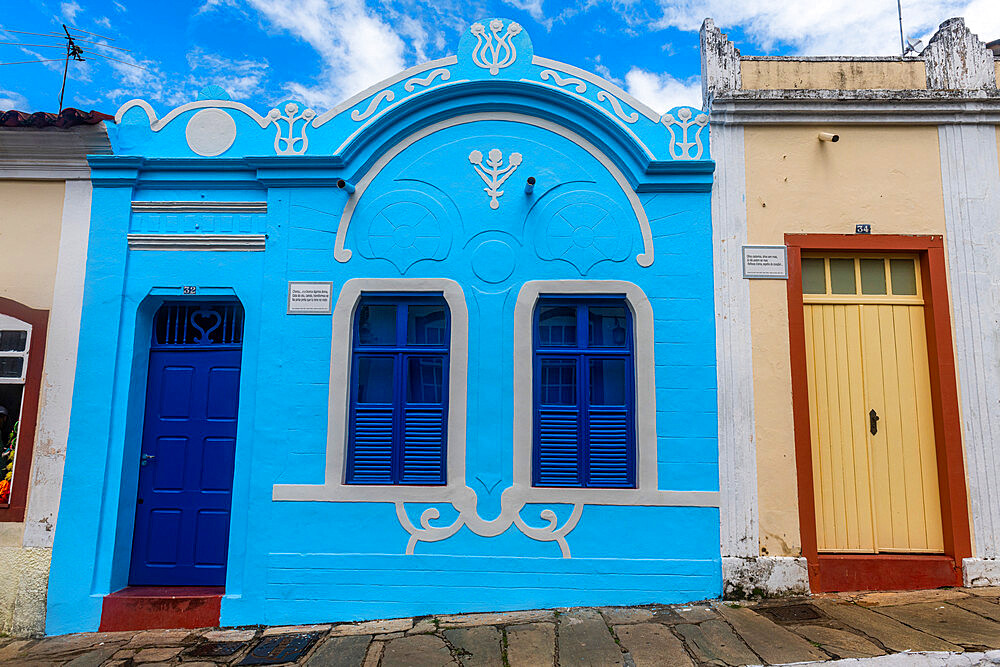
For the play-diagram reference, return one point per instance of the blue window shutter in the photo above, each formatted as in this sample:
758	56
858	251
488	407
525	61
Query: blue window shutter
584	394
609	447
398	421
557	452
371	455
423	460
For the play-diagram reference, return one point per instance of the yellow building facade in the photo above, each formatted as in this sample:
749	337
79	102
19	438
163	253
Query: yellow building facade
858	445
45	196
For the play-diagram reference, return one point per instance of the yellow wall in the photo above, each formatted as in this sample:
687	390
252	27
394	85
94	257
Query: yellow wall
833	75
888	177
30	222
996	67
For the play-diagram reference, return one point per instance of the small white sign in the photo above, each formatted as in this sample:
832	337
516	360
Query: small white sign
310	298
765	261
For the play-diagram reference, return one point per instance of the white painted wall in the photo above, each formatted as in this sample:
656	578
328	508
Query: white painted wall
972	217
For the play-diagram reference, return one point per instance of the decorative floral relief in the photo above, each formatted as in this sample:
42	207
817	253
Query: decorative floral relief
406	226
512	503
287	145
605	96
547	74
494	173
583	228
426	80
492	51
681	144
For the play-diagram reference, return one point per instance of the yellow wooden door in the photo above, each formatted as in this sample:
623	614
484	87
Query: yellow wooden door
867	369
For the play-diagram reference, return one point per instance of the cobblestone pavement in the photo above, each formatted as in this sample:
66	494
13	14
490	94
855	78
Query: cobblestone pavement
960	627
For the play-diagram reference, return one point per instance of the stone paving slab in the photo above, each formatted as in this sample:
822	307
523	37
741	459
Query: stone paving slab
714	643
585	641
767	639
840	629
949	622
839	643
423	650
533	644
479	647
889	632
983	606
653	645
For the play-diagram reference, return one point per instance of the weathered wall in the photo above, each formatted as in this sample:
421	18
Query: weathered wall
23	590
888	177
30	220
765	74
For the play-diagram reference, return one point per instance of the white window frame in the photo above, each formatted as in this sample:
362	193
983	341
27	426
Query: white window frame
334	487
645	491
8	323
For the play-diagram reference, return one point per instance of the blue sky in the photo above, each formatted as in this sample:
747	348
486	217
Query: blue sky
321	51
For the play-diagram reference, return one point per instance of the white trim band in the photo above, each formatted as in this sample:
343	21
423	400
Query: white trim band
199	207
224	242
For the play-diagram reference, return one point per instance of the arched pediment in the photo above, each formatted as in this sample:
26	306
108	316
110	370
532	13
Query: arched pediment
494	71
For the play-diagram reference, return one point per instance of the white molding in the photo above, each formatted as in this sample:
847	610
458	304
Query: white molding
231	207
824	107
215	242
971	187
59	370
737	439
342	254
608	87
603	110
334	488
381	85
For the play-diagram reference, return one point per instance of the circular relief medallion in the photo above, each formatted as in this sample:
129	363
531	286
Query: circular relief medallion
493	261
210	132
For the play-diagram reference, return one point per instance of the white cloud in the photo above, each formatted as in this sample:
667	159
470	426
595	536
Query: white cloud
662	92
533	7
103	21
10	99
356	47
242	79
847	27
70	10
143	79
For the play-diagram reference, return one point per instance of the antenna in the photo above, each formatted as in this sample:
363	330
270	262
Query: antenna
902	42
72	51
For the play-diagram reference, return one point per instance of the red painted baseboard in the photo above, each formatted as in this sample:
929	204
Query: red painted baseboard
156	607
886	572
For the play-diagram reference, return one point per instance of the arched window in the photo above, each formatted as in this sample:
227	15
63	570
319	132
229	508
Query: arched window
584	392
399	390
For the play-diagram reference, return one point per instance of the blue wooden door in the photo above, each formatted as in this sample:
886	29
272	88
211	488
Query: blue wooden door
186	468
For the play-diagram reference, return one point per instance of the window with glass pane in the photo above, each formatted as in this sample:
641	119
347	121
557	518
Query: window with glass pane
584	387
13	366
399	391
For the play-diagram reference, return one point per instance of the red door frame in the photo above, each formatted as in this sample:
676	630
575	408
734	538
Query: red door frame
837	572
39	321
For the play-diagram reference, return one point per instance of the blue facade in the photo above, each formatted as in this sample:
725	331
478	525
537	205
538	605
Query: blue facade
418	186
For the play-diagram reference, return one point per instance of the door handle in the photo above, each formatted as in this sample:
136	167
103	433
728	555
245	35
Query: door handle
146	458
873	421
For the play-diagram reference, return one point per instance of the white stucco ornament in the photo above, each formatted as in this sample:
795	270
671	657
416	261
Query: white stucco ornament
494	51
493	172
210	132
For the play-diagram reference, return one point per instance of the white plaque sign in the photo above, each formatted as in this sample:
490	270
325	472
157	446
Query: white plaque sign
765	261
310	298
